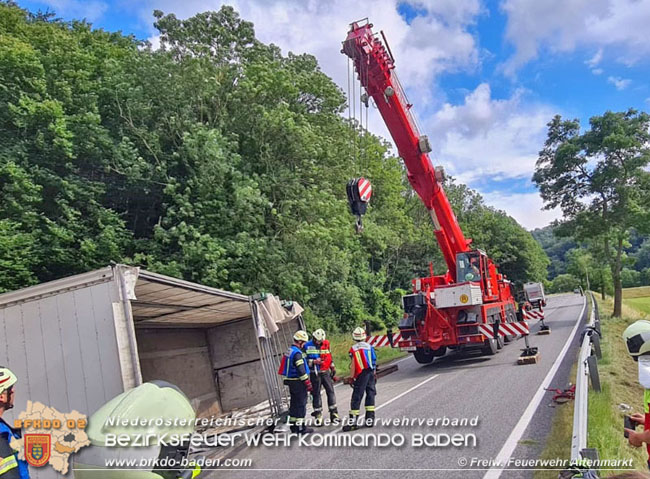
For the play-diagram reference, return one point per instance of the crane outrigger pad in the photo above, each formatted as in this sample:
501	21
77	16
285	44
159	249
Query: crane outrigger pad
529	356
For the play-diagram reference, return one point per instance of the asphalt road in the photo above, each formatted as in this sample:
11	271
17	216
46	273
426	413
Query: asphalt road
494	389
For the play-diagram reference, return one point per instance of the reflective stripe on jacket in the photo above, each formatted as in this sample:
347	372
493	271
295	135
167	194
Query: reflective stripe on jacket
314	351
293	365
11	462
363	357
646	410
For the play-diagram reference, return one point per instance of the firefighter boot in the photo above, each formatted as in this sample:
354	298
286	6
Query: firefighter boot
334	416
352	424
295	429
370	418
318	418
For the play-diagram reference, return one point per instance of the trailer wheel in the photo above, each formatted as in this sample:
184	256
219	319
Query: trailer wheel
500	342
490	348
423	356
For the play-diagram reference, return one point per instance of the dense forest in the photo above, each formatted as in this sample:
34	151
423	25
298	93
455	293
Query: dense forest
571	262
214	158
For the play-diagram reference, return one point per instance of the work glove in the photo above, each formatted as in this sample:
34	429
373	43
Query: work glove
309	386
317	361
332	371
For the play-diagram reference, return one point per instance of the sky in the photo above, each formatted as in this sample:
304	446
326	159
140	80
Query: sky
485	77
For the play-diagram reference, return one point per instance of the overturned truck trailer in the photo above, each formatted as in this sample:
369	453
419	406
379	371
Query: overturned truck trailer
77	342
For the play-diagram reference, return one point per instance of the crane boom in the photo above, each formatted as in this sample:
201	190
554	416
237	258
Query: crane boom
374	65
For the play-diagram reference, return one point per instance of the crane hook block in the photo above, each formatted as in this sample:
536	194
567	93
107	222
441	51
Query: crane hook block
359	191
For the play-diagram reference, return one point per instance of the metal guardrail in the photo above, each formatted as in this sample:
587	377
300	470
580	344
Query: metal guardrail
587	368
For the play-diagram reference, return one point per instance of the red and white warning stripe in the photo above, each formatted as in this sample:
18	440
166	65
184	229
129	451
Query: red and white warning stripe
533	315
519	328
382	340
365	190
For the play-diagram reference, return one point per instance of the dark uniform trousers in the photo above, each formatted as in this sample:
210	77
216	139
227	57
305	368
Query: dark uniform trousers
324	379
365	383
298	402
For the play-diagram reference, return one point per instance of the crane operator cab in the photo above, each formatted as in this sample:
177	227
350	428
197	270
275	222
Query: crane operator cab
468	266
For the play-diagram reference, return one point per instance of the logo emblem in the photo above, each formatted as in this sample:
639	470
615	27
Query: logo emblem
464	298
37	449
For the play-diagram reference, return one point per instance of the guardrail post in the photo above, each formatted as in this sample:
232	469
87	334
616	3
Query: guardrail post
592	366
595	342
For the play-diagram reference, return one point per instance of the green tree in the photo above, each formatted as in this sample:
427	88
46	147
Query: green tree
216	159
564	283
599	181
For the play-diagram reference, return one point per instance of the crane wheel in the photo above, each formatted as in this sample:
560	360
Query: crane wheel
424	356
490	348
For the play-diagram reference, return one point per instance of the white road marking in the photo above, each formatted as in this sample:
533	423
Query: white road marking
401	395
407	391
511	443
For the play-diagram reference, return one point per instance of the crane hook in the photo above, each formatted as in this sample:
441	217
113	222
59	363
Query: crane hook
359	191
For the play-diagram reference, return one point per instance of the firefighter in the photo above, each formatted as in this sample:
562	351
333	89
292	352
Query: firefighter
363	376
159	460
637	341
10	466
296	375
321	365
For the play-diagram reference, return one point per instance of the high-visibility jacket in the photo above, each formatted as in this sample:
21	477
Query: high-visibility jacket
646	424
293	366
9	462
319	351
363	357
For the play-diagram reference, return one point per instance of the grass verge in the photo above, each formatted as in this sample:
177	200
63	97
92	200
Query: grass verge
558	443
618	376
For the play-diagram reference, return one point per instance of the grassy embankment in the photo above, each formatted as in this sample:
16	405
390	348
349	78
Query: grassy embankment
618	375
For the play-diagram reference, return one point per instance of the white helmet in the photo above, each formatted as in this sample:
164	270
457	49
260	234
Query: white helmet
359	334
319	335
7	379
301	335
637	338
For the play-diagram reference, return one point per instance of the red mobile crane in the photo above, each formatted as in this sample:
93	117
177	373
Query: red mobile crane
471	305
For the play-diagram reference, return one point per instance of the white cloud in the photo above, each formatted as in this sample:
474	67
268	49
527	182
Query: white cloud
489	138
597	71
526	208
484	140
562	25
619	83
436	41
596	59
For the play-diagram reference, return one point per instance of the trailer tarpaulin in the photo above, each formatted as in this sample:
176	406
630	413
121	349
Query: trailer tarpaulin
271	313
